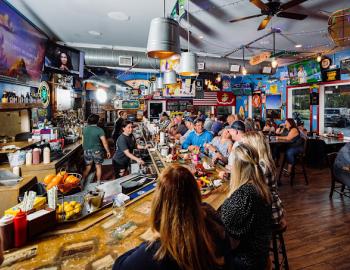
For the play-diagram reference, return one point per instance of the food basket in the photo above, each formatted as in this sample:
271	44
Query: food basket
67	187
75	212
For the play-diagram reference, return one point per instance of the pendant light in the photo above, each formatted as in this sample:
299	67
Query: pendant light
188	61
244	71
274	62
163	37
319	58
159	82
169	77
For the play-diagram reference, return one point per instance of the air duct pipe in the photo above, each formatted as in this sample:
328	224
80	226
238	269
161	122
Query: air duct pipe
110	58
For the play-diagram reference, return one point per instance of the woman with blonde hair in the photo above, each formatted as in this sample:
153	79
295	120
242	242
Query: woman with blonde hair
259	143
246	213
187	235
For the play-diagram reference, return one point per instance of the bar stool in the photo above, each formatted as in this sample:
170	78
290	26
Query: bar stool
300	159
279	248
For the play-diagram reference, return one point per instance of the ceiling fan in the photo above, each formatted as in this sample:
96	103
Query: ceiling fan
272	8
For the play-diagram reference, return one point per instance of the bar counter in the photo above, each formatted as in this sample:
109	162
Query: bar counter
95	232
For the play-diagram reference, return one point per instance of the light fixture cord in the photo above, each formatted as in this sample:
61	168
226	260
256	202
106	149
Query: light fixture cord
164	8
188	28
243	57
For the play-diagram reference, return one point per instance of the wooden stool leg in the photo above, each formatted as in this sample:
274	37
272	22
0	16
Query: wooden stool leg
304	172
332	188
275	252
281	170
284	252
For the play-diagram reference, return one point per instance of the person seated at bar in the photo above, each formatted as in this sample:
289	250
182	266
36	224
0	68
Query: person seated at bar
125	146
302	129
190	127
208	123
179	128
236	130
249	124
342	165
93	139
218	125
296	145
269	128
164	121
246	213
257	123
185	234
123	115
220	147
259	143
282	130
198	138
201	116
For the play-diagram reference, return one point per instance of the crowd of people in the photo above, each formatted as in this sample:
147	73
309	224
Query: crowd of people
238	235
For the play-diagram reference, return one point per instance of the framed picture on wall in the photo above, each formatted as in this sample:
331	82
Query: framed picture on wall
274	114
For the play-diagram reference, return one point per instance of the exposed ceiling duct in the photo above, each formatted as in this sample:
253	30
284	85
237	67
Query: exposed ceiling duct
111	58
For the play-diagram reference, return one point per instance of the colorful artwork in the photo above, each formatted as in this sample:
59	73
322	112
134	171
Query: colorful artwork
22	47
273	102
256	100
242	106
130	104
226	84
138	84
44	94
172	63
273	89
180	89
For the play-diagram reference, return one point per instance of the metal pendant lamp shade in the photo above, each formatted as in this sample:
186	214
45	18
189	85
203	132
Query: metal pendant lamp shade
163	38
169	77
188	64
160	84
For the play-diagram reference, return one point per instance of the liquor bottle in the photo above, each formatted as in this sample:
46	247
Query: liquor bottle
22	98
4	97
27	98
15	98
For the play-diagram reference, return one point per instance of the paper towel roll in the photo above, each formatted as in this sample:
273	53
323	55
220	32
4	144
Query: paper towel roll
162	138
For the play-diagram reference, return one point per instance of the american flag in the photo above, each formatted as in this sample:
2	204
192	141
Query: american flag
209	99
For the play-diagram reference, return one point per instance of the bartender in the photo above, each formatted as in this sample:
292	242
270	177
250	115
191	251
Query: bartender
126	143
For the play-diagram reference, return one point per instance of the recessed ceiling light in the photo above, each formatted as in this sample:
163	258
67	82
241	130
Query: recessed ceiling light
298	45
200	37
94	33
118	16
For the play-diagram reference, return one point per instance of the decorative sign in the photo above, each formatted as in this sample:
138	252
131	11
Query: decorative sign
178	10
201	66
326	62
314	98
44	94
179	89
331	75
225	99
169	64
199	85
345	66
257	59
273	89
130	104
243	89
256	100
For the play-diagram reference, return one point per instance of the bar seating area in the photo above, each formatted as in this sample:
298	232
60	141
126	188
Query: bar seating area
175	135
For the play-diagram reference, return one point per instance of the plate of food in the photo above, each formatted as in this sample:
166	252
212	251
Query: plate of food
183	151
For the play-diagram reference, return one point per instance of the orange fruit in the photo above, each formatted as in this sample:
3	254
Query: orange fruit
48	178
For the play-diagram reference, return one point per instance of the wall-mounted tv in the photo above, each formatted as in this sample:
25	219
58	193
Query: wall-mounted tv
22	47
307	71
63	59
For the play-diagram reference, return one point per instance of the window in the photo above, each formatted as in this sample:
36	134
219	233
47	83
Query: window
337	109
301	106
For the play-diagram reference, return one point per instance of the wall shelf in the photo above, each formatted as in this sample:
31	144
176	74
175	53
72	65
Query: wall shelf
19	106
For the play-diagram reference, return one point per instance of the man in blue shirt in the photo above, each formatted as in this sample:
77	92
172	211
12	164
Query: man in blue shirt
198	138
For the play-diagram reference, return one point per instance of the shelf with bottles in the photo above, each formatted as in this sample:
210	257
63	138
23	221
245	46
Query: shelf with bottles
19	106
13	101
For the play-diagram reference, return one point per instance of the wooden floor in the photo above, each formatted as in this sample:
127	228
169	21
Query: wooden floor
318	234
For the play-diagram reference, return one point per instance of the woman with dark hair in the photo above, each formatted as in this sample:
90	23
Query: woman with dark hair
93	139
187	235
296	142
64	61
125	146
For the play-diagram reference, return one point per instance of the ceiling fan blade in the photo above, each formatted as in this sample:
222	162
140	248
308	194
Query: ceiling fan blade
264	23
260	4
290	15
292	3
245	18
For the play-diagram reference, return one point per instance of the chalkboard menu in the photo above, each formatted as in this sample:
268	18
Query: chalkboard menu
242	89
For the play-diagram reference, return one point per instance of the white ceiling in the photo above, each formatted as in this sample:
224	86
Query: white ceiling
71	20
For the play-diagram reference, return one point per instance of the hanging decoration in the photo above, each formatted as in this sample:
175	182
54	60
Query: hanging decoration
44	94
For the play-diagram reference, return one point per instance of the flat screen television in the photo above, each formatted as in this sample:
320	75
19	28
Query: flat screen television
22	47
63	59
307	71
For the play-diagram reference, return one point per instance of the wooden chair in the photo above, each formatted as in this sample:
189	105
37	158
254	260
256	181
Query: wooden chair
344	190
280	259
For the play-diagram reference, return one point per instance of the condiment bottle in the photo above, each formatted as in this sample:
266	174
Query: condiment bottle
46	158
29	158
7	232
16	171
20	226
36	156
